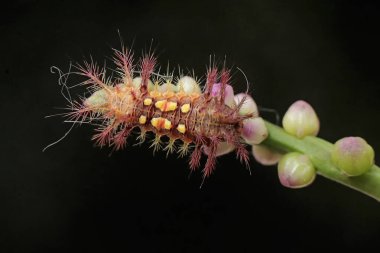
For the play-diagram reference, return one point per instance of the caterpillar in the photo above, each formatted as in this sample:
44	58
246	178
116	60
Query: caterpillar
193	121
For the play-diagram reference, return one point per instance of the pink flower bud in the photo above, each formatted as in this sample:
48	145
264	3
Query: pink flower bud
254	130
301	120
295	170
249	106
353	156
265	155
223	148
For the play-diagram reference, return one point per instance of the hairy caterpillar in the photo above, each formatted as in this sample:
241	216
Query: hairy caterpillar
193	121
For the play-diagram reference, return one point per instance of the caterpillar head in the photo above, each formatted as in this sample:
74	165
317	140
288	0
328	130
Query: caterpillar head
112	100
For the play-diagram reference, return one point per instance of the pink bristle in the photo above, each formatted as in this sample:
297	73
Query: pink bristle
195	158
148	63
120	138
211	159
95	75
224	79
211	78
242	154
124	61
104	137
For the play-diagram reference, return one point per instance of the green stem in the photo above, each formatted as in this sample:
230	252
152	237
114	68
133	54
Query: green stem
318	150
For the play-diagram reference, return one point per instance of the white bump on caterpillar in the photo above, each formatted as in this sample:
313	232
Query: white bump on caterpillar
167	86
136	83
97	99
188	85
228	94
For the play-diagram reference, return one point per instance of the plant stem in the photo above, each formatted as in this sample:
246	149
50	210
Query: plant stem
318	150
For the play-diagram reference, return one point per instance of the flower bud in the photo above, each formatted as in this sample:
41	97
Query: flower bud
295	170
265	155
353	156
249	106
301	120
228	94
254	130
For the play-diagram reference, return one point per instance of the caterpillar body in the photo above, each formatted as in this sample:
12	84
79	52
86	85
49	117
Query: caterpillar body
191	120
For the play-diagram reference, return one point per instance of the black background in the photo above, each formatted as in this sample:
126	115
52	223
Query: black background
74	197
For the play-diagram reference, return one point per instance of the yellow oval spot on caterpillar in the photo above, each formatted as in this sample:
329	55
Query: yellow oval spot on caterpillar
181	128
160	104
147	101
185	108
166	106
171	106
160	123
167	124
142	119
154	122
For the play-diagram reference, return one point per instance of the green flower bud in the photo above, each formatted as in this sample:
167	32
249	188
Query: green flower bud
353	156
295	170
301	120
265	155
